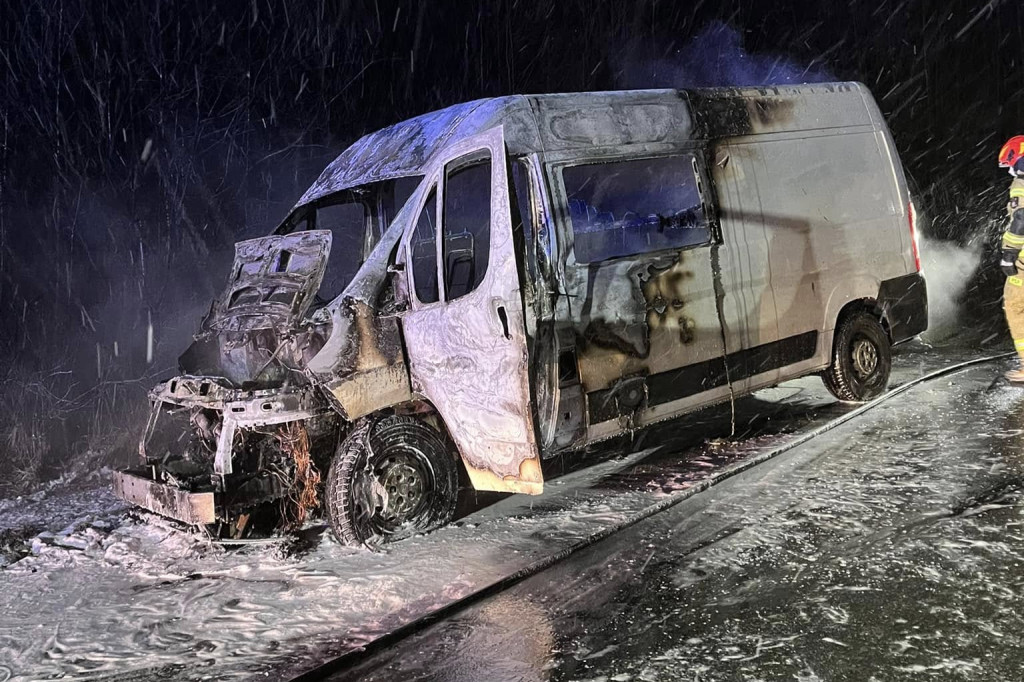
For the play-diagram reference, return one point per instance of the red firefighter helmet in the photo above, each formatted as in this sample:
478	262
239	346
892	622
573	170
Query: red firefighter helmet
1012	153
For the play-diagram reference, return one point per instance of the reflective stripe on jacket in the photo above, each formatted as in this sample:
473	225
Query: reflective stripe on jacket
1013	237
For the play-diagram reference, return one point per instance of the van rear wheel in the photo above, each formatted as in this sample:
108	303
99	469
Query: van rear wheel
391	478
861	359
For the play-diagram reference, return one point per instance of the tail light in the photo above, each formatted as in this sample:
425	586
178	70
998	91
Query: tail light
912	219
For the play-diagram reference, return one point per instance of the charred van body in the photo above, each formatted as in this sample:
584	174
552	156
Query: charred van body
512	278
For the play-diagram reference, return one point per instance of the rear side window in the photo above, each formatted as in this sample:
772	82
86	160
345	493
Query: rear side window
467	226
424	252
625	208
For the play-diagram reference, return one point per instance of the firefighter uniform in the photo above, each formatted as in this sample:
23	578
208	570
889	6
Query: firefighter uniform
1013	266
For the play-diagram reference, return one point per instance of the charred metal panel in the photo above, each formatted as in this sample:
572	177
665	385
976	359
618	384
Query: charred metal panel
362	366
256	334
477	385
166	500
580	121
558	393
255	407
273	281
528	478
405	148
737	112
367	391
612	119
362	363
643	315
194	391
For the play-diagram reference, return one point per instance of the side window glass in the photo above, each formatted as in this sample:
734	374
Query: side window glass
424	252
467	226
624	208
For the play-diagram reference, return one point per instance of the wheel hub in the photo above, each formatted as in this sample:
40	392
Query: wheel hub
865	358
400	487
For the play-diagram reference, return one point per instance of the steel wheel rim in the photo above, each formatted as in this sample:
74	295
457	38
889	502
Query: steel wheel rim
392	491
864	357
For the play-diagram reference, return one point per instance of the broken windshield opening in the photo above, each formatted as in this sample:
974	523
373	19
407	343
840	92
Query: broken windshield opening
357	218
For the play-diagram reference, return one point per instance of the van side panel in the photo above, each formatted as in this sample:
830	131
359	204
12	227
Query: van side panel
834	225
895	168
832	201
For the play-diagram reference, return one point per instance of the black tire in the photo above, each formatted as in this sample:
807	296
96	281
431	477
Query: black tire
861	359
391	478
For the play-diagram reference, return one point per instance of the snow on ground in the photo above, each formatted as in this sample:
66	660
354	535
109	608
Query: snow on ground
888	549
105	593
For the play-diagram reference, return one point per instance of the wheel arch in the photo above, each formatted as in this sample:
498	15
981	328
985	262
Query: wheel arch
417	408
856	289
867	305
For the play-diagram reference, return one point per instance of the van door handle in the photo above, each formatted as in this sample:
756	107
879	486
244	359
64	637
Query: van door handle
503	316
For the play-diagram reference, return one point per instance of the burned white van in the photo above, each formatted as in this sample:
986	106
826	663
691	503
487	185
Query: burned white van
500	281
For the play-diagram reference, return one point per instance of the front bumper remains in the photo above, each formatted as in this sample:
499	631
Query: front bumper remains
204	492
167	500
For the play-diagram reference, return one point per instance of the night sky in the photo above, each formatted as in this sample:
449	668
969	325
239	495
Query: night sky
139	140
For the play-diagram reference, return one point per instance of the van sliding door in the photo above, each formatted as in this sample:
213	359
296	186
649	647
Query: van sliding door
640	287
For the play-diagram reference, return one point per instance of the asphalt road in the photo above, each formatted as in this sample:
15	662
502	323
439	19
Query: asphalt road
885	549
890	548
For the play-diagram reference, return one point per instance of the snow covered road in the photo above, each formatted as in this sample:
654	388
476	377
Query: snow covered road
888	549
105	596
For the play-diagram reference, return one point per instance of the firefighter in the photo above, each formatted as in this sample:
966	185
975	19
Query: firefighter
1011	157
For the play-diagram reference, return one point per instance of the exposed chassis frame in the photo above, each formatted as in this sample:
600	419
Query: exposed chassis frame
239	410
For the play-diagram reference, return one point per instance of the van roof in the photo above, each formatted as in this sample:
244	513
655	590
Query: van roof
560	122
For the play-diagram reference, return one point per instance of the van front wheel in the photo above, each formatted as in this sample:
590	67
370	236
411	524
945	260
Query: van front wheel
391	478
861	359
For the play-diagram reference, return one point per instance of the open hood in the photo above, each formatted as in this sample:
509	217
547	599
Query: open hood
273	281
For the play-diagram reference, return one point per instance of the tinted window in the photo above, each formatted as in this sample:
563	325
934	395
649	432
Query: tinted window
467	227
628	207
424	252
